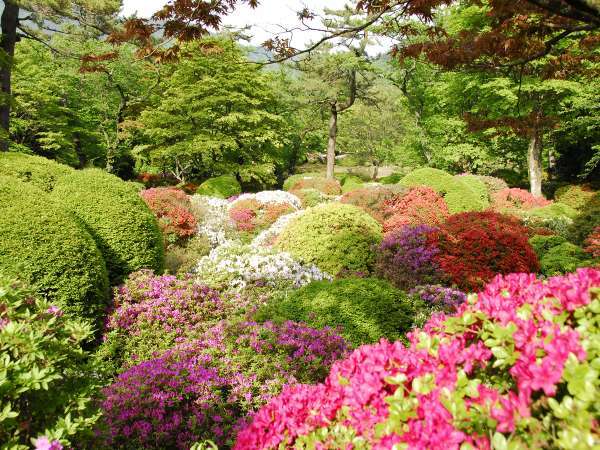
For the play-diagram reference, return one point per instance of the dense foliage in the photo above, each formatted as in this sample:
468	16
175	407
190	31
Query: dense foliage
420	205
224	186
363	309
43	245
334	237
47	382
41	172
172	208
474	379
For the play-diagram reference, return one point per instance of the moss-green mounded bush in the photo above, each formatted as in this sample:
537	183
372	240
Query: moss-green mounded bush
224	186
541	244
293	179
334	237
458	196
310	197
41	172
366	309
563	258
474	183
574	195
124	228
350	182
46	247
553	211
391	179
586	221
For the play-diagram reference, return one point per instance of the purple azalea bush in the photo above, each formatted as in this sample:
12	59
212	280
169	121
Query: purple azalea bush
406	258
206	388
439	297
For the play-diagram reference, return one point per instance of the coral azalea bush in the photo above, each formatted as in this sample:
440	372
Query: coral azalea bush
172	207
476	246
515	368
371	199
512	198
252	215
421	205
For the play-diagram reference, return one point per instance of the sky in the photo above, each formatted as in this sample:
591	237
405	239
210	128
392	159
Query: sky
266	20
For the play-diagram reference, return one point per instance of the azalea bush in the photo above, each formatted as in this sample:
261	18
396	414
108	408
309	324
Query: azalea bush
172	208
439	297
324	185
213	218
406	258
421	205
592	243
204	389
237	266
515	198
47	381
476	246
515	368
372	200
334	237
252	213
311	197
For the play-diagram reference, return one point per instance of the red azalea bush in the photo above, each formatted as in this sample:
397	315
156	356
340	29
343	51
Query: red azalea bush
421	205
476	246
592	243
371	200
515	198
515	368
172	207
251	215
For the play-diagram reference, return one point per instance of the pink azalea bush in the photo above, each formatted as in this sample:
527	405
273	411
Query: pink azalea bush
204	389
516	367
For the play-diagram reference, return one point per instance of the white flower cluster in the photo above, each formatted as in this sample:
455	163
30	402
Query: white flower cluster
272	197
215	223
266	237
236	265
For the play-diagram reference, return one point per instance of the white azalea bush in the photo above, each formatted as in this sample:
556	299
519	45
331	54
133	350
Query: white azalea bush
272	197
237	266
267	237
214	222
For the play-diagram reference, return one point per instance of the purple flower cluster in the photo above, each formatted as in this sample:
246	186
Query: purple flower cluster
206	388
439	296
406	258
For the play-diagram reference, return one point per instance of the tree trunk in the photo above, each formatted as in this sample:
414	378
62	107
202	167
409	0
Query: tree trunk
9	23
332	140
534	162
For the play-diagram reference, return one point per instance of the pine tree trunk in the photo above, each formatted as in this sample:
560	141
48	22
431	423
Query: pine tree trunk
9	23
534	162
332	140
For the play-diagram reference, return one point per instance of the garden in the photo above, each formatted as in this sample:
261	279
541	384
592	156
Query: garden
377	229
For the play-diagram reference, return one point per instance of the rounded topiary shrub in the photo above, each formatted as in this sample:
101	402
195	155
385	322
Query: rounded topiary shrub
46	247
46	376
365	309
224	186
123	227
41	172
334	237
458	196
476	184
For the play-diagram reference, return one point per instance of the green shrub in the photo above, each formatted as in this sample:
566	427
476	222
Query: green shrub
575	196
476	185
46	384
183	258
224	186
46	247
493	184
512	177
324	185
391	179
563	258
458	195
541	244
350	182
366	309
334	237
586	221
41	172
293	179
310	197
553	211
124	228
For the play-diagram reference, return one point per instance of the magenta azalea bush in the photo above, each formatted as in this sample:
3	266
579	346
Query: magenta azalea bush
516	368
204	389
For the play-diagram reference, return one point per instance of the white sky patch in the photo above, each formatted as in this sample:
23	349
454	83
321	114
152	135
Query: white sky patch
269	18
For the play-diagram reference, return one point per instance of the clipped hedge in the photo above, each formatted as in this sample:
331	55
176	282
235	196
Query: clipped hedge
41	172
365	309
334	237
47	248
124	228
458	195
224	186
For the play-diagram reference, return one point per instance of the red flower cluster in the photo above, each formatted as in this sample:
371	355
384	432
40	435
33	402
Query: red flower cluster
421	205
371	200
512	198
476	246
172	208
592	243
251	215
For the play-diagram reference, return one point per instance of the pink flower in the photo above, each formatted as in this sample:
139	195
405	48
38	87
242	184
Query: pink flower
43	443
